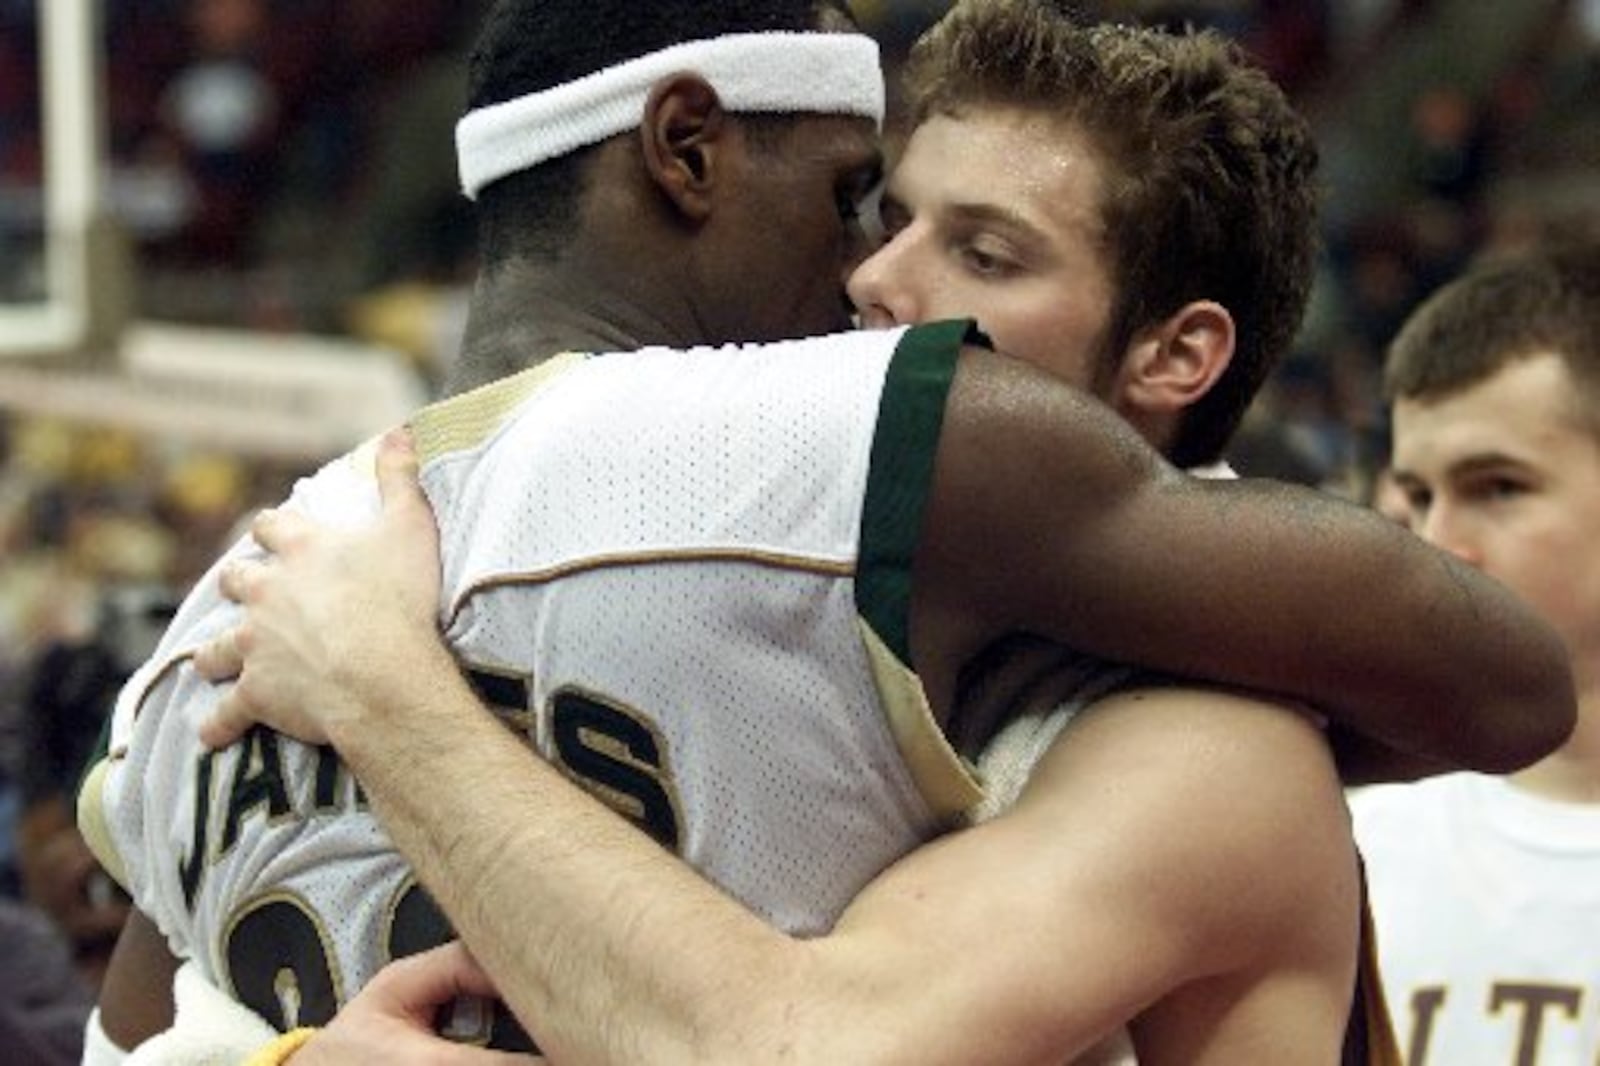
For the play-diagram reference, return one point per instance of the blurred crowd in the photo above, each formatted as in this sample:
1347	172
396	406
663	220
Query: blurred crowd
286	165
99	530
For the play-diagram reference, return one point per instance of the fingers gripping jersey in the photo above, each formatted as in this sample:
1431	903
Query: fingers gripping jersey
683	576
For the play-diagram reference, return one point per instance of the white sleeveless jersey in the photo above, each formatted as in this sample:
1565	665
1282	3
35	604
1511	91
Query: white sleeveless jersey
683	576
1487	906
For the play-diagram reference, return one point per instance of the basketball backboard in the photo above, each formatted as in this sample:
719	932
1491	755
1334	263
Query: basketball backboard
51	207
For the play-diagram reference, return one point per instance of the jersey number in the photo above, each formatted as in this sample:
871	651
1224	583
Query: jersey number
278	956
280	966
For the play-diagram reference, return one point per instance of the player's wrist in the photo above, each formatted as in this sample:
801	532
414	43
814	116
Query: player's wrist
395	700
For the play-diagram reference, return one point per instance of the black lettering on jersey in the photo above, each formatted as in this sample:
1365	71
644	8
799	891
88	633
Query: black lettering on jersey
506	693
331	772
257	781
418	925
193	866
279	963
616	754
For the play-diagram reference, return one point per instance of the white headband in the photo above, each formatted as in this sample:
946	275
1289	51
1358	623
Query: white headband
824	73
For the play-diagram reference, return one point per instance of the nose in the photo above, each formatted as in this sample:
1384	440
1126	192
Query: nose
1446	528
881	288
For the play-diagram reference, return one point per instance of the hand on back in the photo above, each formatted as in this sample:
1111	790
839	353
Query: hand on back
301	661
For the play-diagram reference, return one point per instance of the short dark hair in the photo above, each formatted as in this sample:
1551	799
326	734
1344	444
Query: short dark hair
527	46
1505	308
1210	172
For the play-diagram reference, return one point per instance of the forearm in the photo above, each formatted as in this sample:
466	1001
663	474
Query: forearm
1277	588
611	950
1390	637
605	946
1475	676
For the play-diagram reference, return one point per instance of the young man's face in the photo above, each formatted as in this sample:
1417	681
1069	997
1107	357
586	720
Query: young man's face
995	215
1506	475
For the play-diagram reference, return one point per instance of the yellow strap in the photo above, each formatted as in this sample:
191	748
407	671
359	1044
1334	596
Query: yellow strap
279	1051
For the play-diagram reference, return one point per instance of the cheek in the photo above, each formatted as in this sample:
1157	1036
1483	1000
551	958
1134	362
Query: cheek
1063	346
1555	571
939	296
1570	602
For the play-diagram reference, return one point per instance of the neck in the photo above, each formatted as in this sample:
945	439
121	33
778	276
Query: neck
522	314
1572	773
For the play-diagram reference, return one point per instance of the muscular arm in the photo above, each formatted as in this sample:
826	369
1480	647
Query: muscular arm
1050	515
1161	849
575	915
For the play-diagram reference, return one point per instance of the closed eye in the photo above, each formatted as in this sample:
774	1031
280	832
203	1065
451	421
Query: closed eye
983	260
1492	489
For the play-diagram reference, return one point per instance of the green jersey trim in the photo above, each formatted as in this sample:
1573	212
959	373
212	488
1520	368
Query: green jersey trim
900	475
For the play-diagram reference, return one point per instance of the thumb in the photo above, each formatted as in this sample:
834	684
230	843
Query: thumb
421	982
397	471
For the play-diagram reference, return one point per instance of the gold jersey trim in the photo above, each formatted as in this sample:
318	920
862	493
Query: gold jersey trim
949	784
92	822
544	575
464	421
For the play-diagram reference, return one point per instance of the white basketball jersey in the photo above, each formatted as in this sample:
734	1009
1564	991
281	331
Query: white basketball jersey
684	576
1487	906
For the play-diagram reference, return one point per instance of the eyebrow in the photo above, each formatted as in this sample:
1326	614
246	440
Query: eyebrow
1477	463
982	213
993	214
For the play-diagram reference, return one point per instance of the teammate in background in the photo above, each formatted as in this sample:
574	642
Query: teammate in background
1486	891
979	465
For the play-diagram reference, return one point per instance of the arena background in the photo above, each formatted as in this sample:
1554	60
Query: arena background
231	244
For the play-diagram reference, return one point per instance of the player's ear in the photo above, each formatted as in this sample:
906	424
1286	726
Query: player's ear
1172	364
683	136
